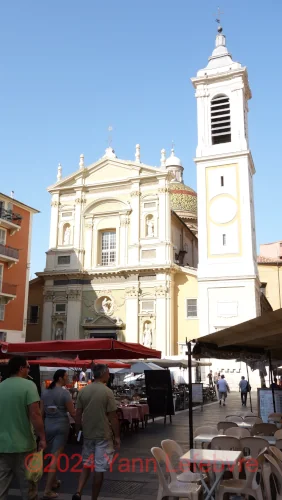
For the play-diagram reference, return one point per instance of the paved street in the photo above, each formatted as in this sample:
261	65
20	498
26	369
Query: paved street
127	480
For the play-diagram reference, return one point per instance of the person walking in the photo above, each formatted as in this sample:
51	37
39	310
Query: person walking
210	377
56	403
223	388
19	416
96	414
244	389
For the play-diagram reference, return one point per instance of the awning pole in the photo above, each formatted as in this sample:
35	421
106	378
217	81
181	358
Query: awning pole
271	378
191	433
249	386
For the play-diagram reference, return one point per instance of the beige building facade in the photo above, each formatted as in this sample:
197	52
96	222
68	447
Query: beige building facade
123	254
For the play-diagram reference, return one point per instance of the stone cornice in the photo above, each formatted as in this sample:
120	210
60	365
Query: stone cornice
129	271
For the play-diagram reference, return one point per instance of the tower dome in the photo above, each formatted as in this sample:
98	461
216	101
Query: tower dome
174	165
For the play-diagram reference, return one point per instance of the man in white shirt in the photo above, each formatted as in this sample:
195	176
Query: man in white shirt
82	376
223	388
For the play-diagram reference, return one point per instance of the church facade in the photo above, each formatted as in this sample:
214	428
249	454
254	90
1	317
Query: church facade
123	255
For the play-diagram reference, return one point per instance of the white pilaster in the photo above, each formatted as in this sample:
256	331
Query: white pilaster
132	310
88	244
134	224
47	316
79	203
74	314
53	240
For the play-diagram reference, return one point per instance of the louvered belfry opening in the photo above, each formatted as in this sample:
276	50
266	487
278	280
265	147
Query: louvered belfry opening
220	120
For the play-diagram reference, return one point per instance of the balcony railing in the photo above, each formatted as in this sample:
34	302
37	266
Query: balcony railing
8	289
9	251
10	216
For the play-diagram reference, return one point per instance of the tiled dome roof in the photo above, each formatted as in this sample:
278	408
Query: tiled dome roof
183	198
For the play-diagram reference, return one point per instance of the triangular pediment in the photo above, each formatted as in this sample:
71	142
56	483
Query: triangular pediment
102	321
106	170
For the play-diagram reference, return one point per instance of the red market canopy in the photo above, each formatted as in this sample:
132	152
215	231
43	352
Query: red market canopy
85	349
76	363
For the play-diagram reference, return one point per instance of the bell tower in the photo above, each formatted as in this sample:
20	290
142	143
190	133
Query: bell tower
229	288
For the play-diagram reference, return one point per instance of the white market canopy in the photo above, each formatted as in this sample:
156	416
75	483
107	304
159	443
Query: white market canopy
250	341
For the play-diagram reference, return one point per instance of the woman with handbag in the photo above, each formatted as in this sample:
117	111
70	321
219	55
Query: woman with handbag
56	406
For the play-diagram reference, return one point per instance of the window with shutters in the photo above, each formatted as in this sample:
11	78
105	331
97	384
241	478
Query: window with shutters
220	119
2	312
33	316
108	248
191	308
2	237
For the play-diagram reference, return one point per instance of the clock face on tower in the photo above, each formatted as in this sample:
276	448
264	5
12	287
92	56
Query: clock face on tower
223	209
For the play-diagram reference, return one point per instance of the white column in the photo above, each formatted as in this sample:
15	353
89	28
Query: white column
47	316
132	310
134	224
123	240
88	242
77	219
53	240
164	219
74	315
162	326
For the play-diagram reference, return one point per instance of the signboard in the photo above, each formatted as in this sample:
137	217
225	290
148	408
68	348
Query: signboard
159	392
197	393
265	403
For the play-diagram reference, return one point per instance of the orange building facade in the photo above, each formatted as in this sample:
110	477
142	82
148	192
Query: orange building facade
15	247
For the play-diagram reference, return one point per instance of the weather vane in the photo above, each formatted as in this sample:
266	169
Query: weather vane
219	13
110	138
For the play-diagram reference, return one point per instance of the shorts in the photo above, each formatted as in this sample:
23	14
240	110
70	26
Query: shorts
12	465
101	450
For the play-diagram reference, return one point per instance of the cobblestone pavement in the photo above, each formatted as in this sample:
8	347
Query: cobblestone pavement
132	475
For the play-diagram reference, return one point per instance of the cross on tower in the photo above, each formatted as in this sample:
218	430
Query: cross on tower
110	139
218	14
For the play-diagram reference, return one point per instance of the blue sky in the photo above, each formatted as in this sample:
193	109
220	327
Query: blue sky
71	68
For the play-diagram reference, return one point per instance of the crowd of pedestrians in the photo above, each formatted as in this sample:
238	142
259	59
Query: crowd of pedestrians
30	424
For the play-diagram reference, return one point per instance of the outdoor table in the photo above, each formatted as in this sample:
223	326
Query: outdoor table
205	438
130	413
244	425
211	457
142	409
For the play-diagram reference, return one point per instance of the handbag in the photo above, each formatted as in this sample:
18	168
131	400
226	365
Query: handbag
34	466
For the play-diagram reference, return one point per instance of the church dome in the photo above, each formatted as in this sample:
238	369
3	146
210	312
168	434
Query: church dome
173	161
183	198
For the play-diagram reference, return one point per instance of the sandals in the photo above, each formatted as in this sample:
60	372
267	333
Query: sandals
57	484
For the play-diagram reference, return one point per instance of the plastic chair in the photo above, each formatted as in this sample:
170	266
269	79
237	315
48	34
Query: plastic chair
234	418
226	443
278	434
253	420
276	472
278	444
274	417
253	445
264	429
251	486
238	414
277	455
174	451
169	487
222	426
237	432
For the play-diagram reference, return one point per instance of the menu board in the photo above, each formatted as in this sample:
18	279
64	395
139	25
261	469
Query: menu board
265	403
197	393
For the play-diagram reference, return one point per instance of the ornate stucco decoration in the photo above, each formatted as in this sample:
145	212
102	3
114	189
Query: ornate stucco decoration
132	292
80	201
48	295
163	190
74	294
124	220
161	291
134	193
55	204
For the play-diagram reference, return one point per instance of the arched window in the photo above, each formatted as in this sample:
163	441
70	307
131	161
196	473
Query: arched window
220	119
66	234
